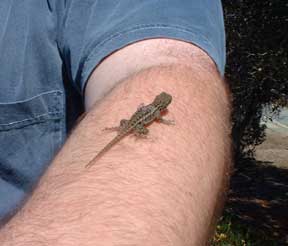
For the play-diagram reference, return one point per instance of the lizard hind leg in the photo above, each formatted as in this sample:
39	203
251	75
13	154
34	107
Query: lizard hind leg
141	131
123	124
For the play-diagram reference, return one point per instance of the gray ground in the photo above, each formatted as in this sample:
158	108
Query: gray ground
275	147
258	195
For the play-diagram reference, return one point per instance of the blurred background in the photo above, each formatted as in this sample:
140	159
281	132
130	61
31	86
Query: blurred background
256	212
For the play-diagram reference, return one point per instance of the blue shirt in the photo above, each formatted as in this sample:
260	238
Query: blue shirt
48	50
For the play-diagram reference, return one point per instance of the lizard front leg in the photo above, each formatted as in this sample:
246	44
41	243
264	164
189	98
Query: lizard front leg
159	118
165	121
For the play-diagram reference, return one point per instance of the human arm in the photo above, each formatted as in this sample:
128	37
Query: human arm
159	191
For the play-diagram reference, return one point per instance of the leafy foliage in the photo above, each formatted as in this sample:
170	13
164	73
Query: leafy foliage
229	233
257	58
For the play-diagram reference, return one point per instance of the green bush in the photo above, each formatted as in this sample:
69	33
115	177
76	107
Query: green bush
257	59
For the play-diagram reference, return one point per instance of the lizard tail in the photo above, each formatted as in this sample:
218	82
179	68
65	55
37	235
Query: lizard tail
104	150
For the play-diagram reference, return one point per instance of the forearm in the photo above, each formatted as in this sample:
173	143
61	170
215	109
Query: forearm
157	191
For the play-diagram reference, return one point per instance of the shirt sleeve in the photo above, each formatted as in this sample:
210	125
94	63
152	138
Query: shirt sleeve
93	29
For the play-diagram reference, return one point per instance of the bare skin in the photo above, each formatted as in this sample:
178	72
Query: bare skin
164	190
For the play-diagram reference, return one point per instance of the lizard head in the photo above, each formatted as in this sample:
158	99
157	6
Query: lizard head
162	100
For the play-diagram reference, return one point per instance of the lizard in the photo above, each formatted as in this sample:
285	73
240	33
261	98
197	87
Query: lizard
137	122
